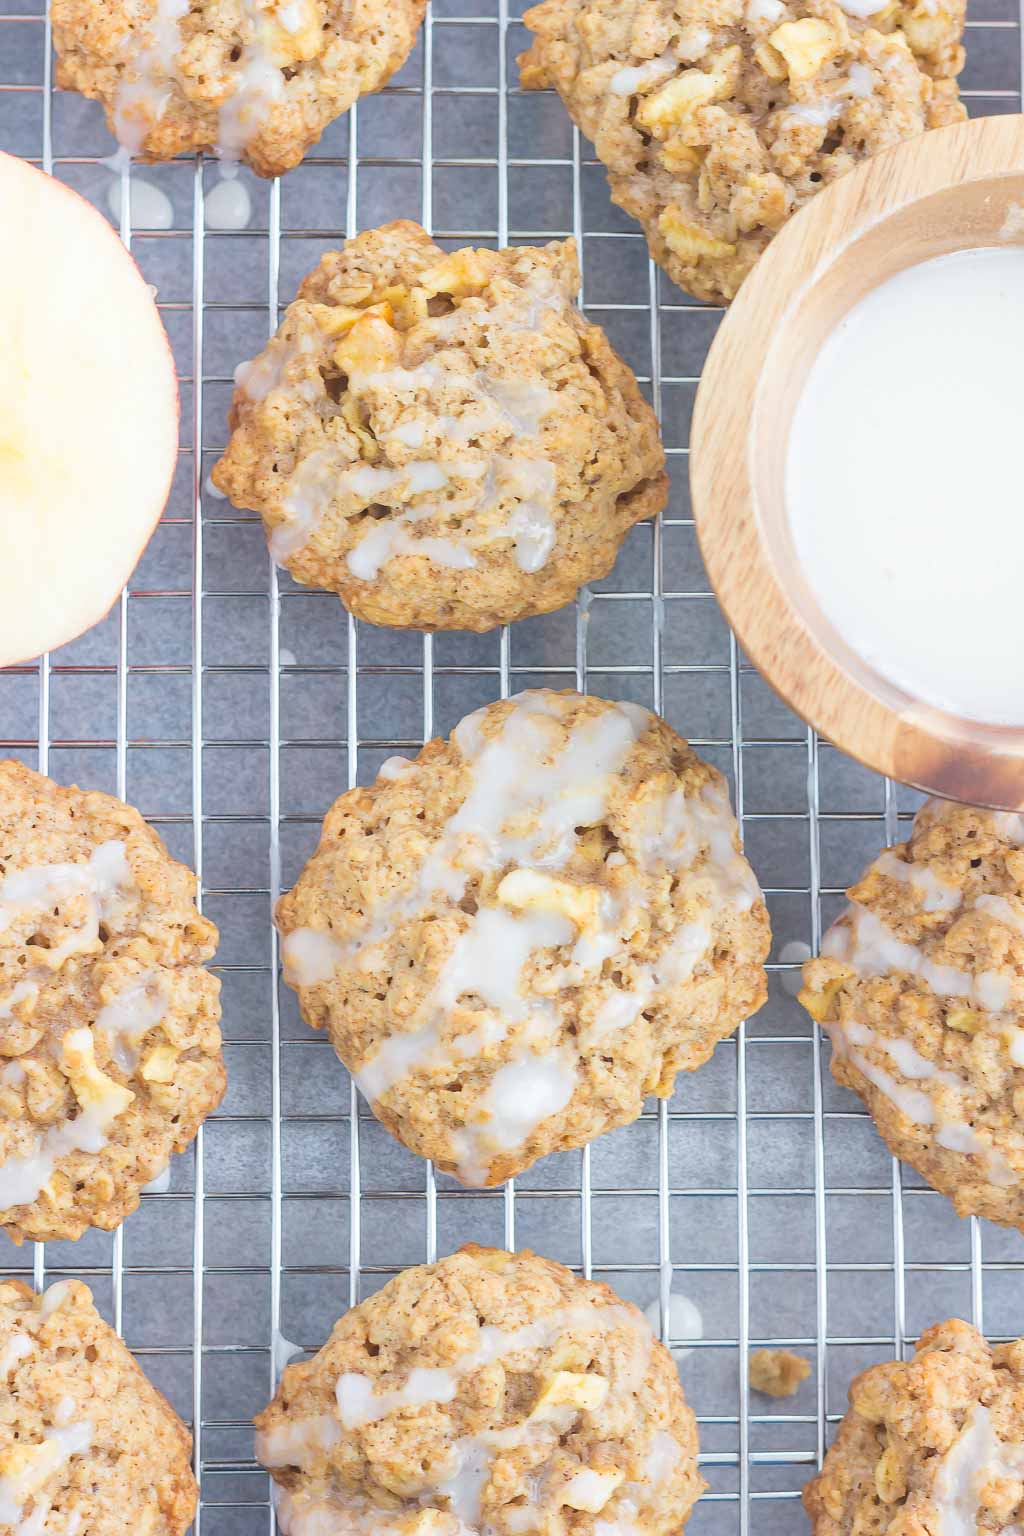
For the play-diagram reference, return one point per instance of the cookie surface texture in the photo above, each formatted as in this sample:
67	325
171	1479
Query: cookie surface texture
716	120
442	440
110	1054
932	1444
87	1443
252	80
920	985
490	1392
515	938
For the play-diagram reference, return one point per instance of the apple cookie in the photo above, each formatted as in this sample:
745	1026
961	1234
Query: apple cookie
716	120
514	939
87	1444
920	985
491	1392
932	1444
443	440
252	80
109	1046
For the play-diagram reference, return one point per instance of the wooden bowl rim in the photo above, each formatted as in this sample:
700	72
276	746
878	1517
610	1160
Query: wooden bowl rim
937	752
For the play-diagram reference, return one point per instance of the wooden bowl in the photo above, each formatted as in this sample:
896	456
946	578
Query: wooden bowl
951	189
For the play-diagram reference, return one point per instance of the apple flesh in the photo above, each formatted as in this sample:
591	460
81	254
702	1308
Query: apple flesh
88	414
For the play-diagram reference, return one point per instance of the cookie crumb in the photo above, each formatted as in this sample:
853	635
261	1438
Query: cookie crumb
777	1372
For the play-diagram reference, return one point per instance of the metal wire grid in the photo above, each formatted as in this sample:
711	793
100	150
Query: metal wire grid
232	706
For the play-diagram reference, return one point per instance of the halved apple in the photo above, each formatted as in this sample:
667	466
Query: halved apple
88	413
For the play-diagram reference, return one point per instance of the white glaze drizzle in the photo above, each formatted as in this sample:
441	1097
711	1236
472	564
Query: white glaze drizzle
858	85
301	1512
18	1347
511	784
1009	913
529	483
818	113
512	406
520	1095
676	827
58	1445
149	207
124	1020
260	85
671	835
359	1405
663	1457
863	8
952	1130
283	1350
53	1298
228	205
258	376
936	895
861	80
976	1458
522	810
21	991
129	1016
24	1175
150	75
640	77
862	940
160	1183
523	310
312	482
320	479
140	103
684	1322
296	1441
101	880
395	767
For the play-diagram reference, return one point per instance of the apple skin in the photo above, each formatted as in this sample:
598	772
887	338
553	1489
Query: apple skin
36	205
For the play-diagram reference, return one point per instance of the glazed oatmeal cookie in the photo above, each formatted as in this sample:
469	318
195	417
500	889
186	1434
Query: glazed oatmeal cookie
87	1444
920	985
515	938
491	1392
109	1046
443	440
717	119
256	80
930	1445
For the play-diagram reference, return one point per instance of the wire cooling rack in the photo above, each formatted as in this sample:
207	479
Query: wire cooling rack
232	706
